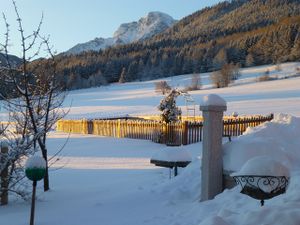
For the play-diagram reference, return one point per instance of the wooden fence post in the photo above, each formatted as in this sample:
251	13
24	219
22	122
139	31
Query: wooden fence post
4	177
185	133
58	125
164	133
84	126
119	129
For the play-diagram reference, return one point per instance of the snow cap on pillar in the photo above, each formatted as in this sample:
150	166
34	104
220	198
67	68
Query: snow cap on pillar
213	102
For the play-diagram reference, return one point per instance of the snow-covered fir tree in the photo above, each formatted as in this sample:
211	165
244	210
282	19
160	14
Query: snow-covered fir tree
170	112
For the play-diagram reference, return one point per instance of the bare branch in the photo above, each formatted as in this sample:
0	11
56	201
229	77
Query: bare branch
33	97
60	150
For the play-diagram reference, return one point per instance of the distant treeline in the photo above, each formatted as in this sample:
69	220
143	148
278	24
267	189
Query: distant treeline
250	33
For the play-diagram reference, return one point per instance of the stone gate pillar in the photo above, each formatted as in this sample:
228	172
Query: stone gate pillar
212	109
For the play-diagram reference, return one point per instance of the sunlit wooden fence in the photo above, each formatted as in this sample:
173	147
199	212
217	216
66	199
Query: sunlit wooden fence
181	133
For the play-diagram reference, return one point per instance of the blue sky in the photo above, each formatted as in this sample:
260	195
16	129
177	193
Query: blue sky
75	21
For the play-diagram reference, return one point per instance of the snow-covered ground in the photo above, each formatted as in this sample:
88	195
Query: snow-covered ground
245	96
100	180
110	181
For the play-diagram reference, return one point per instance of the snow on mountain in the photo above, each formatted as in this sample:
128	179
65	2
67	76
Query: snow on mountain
146	27
95	45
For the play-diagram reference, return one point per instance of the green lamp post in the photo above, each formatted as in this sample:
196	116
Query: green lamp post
35	169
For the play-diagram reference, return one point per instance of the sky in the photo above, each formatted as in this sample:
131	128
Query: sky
69	22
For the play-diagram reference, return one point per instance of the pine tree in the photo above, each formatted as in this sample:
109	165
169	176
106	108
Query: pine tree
123	76
220	59
295	51
169	111
132	71
249	60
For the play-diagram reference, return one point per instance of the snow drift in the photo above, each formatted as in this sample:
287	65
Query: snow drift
278	139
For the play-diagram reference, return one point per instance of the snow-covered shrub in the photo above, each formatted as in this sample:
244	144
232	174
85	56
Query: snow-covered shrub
19	147
169	111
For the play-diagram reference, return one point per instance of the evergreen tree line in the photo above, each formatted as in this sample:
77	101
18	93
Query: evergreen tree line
241	32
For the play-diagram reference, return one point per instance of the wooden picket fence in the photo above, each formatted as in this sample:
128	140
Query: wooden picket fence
181	133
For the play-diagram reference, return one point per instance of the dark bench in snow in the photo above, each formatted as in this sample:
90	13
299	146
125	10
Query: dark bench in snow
169	164
172	157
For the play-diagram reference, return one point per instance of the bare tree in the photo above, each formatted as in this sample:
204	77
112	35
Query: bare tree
162	87
225	76
265	76
195	83
34	94
216	79
236	74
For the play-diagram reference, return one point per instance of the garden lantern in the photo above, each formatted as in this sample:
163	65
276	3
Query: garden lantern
262	178
35	170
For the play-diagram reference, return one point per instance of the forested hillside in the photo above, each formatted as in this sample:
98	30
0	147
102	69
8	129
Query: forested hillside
13	60
253	32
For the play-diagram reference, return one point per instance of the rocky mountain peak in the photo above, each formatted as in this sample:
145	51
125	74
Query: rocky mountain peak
146	27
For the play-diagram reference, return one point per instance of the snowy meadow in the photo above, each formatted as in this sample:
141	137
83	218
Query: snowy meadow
101	180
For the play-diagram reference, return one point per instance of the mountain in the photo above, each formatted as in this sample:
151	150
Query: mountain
146	27
244	32
14	60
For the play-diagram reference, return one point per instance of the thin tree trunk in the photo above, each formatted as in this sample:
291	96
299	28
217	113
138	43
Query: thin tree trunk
45	156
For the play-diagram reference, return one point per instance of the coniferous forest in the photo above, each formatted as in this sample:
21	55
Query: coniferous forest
244	32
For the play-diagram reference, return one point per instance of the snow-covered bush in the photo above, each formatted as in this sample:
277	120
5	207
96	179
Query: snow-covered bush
18	148
169	111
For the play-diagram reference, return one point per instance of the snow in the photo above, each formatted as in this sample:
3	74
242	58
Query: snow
93	45
172	154
235	114
111	181
278	138
213	100
96	191
35	162
262	166
246	96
